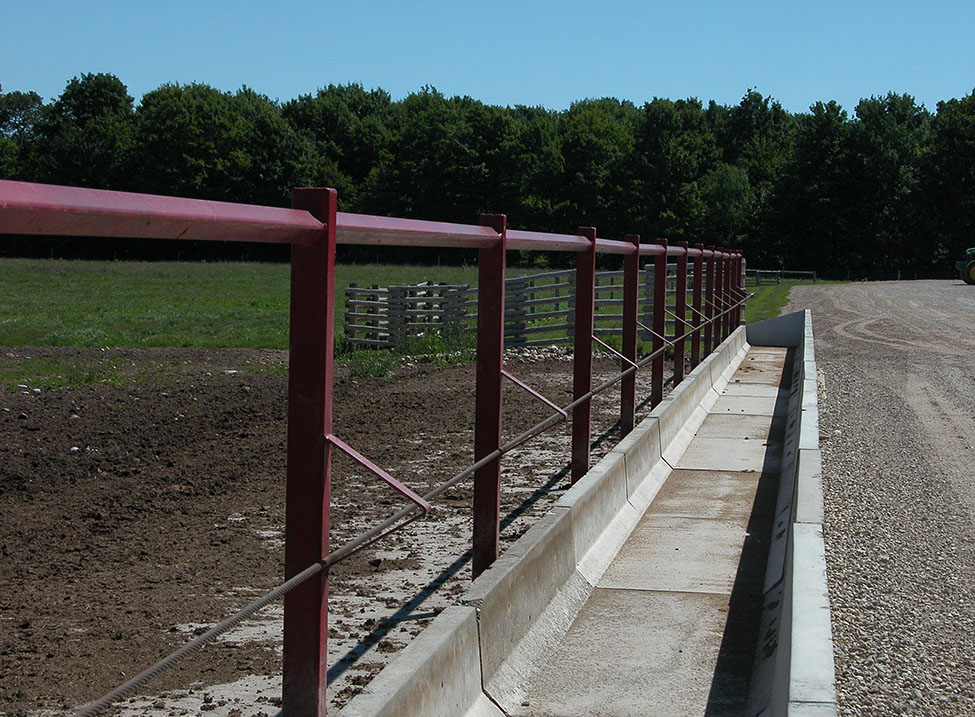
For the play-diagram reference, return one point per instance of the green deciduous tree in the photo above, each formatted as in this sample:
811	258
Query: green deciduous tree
810	223
84	137
346	127
675	151
194	140
948	180
886	143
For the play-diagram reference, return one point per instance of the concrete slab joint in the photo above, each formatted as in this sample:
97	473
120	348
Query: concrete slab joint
485	652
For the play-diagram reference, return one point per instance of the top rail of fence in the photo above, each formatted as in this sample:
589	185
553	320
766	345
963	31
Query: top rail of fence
29	208
391	231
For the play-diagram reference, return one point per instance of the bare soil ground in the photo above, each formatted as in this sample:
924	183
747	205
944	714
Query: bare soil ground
897	426
136	512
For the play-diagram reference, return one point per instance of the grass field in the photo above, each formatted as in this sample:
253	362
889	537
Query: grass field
203	305
769	300
137	304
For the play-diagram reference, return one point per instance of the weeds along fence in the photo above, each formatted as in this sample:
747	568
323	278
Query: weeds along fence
313	227
539	309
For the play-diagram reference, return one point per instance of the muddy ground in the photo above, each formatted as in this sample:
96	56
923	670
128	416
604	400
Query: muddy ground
147	502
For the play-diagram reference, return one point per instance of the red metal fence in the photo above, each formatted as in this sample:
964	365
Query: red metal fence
313	228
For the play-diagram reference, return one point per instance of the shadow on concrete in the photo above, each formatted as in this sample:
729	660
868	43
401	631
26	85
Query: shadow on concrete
407	611
731	681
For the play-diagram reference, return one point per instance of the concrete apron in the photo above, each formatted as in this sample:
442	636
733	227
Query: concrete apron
605	606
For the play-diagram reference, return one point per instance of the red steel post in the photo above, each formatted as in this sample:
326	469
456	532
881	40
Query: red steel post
310	372
631	291
488	411
659	324
729	281
696	306
740	285
709	302
719	270
680	313
582	353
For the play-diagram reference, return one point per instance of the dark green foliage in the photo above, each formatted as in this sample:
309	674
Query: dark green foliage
199	142
889	189
948	179
85	137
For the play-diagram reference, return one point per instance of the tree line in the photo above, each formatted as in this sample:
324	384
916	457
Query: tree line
889	188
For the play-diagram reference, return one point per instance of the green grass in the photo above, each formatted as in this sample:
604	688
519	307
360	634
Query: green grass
205	305
197	305
23	372
769	299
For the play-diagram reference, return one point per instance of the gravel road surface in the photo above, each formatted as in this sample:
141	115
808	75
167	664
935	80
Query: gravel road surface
897	422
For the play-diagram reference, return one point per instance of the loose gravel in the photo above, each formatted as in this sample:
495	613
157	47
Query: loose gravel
897	403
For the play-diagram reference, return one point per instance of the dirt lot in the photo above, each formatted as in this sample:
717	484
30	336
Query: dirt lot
135	512
897	428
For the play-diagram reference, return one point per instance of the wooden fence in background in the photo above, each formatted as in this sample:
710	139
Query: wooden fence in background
539	309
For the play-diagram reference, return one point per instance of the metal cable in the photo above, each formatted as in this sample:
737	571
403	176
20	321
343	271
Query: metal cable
361	541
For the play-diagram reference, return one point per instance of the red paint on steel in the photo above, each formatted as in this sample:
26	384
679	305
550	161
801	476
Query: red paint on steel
310	374
631	295
659	324
612	246
542	241
528	389
47	209
488	409
696	304
378	472
719	270
728	293
582	354
392	231
652	249
709	300
680	314
740	284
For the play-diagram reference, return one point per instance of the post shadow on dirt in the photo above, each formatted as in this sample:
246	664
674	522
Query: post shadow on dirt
731	681
406	611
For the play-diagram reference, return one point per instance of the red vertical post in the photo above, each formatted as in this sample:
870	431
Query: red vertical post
310	374
729	295
631	289
719	268
680	312
659	324
696	305
582	353
487	422
710	300
740	285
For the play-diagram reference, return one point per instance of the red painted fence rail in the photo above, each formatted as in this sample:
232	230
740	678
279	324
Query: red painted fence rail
313	227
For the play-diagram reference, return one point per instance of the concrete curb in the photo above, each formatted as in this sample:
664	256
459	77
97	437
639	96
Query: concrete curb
527	600
794	670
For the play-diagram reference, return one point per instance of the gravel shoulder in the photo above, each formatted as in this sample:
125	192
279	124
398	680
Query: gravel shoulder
897	424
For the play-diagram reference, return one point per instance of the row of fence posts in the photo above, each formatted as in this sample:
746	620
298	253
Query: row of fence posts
313	233
535	305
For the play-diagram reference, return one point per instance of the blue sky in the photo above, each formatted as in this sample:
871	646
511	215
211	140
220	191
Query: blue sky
503	52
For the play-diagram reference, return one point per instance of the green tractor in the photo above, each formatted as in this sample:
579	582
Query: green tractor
966	267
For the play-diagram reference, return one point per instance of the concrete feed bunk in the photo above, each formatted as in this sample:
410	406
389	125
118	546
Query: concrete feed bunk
683	573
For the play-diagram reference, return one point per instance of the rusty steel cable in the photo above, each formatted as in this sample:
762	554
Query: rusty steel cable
363	540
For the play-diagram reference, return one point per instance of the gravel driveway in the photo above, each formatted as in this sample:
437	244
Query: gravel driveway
897	421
